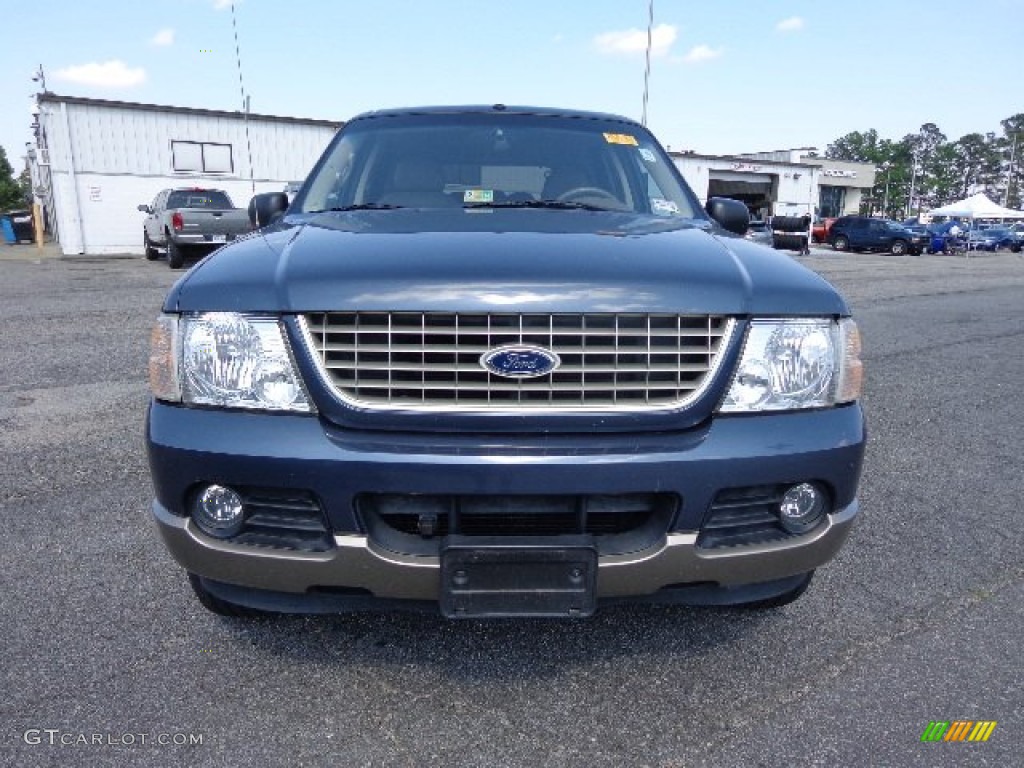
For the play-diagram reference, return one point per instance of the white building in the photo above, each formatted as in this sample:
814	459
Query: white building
782	183
95	160
841	185
768	188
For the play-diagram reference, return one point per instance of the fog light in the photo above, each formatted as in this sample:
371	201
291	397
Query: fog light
219	511
801	507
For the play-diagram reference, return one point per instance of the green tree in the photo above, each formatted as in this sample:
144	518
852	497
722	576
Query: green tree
10	192
945	177
855	147
924	149
1012	148
25	185
977	162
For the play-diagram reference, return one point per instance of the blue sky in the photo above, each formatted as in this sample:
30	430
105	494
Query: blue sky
725	77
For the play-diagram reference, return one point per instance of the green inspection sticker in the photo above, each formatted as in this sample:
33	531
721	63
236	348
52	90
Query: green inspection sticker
478	196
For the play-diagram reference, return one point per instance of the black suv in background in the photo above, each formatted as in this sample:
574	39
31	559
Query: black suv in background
863	233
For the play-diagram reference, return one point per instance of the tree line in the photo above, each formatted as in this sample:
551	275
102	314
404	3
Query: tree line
14	193
925	170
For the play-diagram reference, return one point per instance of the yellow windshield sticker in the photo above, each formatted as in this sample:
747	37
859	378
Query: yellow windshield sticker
620	138
478	196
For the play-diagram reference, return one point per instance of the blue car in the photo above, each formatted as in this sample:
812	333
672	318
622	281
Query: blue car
500	362
999	237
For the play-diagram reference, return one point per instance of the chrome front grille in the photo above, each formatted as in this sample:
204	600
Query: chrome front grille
430	360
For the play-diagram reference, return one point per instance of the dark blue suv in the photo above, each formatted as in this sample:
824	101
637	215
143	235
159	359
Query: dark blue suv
500	361
863	233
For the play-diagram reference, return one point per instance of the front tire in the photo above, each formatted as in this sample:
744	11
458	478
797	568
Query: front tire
150	251
898	248
175	255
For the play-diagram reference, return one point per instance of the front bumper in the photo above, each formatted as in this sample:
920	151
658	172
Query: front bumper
358	566
190	447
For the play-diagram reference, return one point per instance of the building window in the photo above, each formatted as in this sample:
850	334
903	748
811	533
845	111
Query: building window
201	157
831	201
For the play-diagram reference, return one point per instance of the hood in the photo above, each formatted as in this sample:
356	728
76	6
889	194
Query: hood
492	260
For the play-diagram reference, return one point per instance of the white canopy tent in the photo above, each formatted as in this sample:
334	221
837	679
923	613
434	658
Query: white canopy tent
976	207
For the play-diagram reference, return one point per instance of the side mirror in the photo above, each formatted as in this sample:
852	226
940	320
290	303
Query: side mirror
731	214
267	208
144	208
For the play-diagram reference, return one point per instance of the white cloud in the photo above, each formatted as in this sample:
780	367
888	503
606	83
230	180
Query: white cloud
223	5
702	53
791	24
109	74
163	38
630	41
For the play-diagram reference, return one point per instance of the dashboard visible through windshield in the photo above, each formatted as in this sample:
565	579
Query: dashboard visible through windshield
497	160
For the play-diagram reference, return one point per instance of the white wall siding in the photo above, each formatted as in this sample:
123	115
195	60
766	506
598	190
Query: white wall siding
136	142
106	158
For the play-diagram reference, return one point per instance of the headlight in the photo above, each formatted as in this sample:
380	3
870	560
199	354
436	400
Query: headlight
789	364
226	359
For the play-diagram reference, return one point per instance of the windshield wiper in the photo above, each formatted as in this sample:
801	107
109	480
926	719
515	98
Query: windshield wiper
552	204
360	207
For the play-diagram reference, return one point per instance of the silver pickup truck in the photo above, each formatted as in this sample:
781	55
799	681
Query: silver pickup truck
190	221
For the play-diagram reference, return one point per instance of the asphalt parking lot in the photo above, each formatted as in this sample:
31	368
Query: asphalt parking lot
108	660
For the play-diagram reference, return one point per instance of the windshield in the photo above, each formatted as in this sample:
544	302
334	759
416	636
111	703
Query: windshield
198	198
491	160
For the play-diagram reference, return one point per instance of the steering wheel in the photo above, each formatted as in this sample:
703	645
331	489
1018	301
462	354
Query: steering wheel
604	194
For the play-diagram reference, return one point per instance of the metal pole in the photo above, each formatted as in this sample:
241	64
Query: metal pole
647	68
245	99
910	196
885	203
1009	170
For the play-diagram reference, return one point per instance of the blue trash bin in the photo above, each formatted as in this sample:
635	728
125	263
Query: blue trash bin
8	227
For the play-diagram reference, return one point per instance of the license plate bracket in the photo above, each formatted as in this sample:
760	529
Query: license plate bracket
520	577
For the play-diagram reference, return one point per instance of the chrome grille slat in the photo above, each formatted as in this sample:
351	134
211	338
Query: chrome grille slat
430	360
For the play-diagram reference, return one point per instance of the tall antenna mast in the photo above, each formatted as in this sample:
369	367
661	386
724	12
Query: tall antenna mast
245	99
647	69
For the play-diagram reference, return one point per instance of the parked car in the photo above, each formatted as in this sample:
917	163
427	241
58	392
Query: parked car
1018	234
1000	237
863	233
931	243
759	233
504	366
191	221
820	228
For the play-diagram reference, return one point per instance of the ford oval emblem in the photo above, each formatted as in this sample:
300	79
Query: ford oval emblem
520	362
